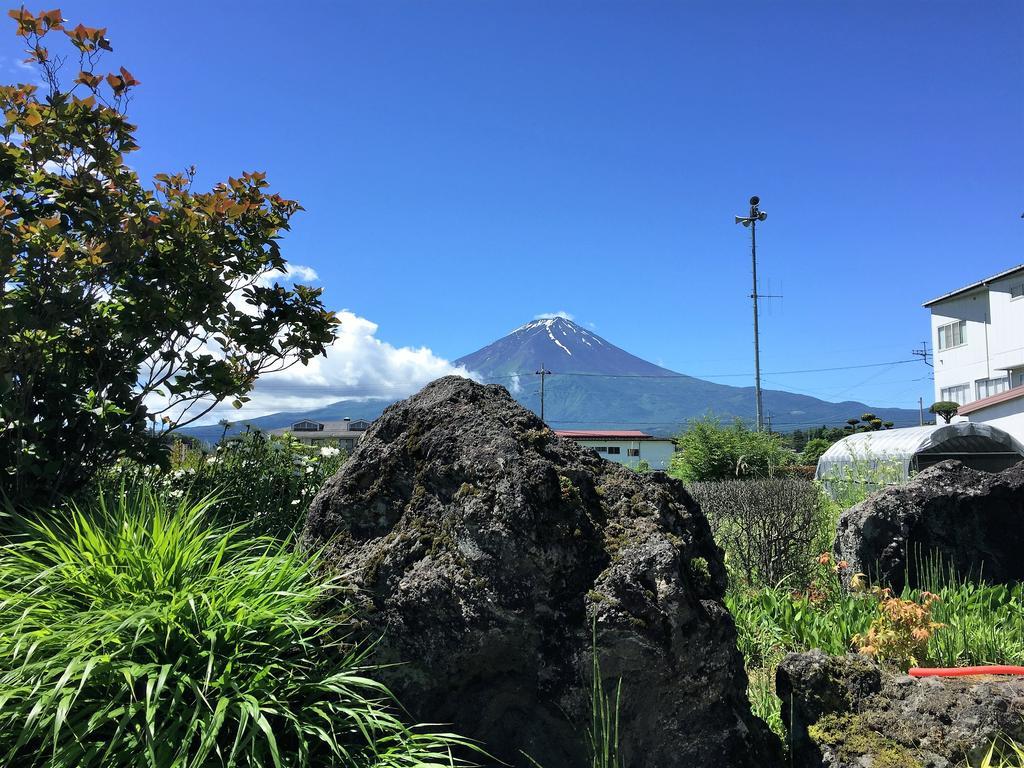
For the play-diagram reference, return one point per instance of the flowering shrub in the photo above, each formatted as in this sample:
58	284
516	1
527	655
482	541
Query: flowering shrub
825	585
901	631
264	482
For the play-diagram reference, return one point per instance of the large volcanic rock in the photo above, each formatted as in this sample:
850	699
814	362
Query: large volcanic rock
848	712
974	521
484	547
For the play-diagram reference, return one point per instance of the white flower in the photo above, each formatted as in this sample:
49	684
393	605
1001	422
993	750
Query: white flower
212	460
309	470
328	451
295	502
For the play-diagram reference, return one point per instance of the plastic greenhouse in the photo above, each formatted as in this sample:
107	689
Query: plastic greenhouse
893	455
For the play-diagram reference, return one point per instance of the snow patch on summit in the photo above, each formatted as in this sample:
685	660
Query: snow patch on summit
552	337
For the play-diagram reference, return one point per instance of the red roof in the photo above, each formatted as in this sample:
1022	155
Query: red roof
605	434
985	402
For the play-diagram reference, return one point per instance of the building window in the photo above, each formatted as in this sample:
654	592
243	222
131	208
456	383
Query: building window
960	394
602	449
632	451
1018	378
989	387
952	334
1017	291
614	449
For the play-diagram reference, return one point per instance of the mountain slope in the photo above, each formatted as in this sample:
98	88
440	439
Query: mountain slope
596	385
559	344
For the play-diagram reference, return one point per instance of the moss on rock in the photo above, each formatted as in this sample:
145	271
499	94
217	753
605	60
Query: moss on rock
851	737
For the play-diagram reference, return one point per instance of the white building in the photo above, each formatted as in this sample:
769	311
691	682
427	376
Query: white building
625	446
343	434
978	333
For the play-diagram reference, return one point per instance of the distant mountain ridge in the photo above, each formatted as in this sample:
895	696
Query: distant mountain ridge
597	385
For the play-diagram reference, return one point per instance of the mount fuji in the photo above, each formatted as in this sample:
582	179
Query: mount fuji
594	384
557	342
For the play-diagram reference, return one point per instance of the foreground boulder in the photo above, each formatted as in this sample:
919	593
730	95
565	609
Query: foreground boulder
973	520
484	547
848	712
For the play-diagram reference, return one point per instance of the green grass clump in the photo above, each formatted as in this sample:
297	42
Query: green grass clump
1004	753
603	732
770	621
132	634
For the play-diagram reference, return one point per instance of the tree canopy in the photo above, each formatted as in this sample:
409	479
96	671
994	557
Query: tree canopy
946	409
126	309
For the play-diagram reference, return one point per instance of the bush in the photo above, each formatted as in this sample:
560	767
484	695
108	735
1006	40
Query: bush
900	632
813	449
769	529
709	451
265	482
131	634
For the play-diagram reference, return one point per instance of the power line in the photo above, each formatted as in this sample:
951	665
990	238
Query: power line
708	375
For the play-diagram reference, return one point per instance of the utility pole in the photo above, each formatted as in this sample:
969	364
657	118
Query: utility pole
923	353
751	220
542	373
920	407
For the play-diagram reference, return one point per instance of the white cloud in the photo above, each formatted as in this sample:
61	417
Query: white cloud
358	366
552	315
295	273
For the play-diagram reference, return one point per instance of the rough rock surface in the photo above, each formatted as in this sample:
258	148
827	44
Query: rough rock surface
972	519
484	548
848	712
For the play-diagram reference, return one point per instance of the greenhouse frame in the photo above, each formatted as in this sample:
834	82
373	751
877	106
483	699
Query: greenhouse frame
896	454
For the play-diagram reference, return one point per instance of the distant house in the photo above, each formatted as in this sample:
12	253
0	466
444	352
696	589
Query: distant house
625	446
978	333
344	434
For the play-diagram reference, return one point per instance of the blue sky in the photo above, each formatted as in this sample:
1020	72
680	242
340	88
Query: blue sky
466	166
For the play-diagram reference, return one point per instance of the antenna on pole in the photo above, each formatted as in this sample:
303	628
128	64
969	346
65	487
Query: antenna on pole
755	215
542	373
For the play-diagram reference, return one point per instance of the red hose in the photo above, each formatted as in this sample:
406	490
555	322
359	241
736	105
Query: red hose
995	669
